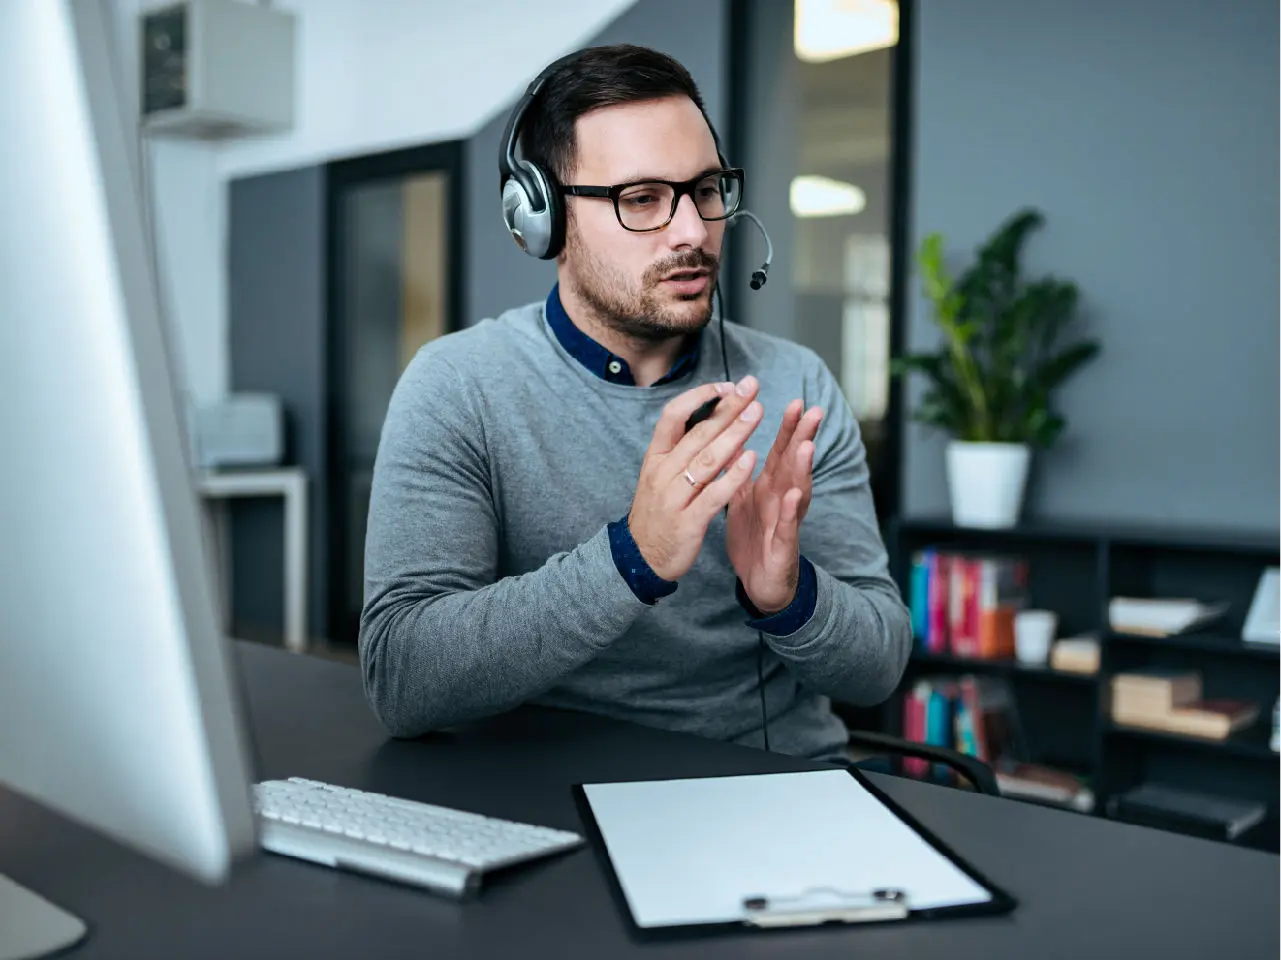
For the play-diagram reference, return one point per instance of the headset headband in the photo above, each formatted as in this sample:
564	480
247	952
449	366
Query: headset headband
508	167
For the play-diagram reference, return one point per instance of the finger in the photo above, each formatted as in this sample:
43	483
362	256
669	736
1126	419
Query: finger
805	474
787	532
671	423
730	406
713	498
805	433
791	417
742	497
706	464
805	464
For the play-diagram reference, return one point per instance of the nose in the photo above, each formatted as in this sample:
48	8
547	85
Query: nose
687	228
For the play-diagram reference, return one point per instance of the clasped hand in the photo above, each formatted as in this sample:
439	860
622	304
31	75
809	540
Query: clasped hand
687	477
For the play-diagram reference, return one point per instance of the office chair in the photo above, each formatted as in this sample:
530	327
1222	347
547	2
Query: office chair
971	768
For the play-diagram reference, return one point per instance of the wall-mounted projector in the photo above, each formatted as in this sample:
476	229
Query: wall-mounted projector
215	69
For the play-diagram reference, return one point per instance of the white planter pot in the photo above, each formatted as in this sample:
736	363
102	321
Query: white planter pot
986	481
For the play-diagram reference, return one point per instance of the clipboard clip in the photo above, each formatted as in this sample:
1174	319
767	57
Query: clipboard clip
825	905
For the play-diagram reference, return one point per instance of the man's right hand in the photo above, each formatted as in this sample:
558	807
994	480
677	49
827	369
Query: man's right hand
670	515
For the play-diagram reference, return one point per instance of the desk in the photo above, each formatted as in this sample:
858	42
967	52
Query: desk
1089	887
290	484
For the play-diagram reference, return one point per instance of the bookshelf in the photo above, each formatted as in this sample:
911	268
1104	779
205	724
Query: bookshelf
1252	742
1074	569
1002	667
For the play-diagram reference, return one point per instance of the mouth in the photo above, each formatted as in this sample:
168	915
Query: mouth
687	282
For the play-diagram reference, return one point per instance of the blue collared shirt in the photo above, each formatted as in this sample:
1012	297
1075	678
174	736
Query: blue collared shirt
603	363
647	585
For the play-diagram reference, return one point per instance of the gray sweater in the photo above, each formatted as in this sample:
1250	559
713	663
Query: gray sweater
489	580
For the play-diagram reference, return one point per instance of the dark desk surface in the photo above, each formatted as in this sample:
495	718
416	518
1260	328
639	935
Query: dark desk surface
1088	888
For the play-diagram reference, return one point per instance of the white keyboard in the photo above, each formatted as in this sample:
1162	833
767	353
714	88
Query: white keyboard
439	848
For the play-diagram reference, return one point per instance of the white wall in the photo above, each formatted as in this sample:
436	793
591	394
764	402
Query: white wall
380	74
188	219
372	75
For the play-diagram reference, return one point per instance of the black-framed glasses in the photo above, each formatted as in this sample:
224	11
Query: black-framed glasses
645	205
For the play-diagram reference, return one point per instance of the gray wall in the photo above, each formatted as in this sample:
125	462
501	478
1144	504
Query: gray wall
499	276
1148	133
276	273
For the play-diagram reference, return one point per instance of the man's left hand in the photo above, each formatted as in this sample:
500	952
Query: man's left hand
762	532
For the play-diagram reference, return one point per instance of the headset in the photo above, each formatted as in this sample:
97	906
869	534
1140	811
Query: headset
534	212
533	207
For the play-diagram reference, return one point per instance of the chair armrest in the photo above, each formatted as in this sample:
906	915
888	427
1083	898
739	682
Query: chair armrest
972	768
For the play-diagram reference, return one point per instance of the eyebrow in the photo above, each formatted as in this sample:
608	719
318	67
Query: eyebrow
643	177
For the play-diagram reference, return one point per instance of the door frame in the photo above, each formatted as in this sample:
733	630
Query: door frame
341	176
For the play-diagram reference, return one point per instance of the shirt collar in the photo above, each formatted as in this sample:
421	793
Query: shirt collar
604	364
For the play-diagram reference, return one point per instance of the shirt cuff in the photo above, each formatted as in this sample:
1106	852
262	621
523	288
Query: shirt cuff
792	617
648	586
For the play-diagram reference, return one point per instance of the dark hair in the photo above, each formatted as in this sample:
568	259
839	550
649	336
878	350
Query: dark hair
598	77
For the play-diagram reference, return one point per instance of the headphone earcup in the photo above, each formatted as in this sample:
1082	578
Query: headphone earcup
536	223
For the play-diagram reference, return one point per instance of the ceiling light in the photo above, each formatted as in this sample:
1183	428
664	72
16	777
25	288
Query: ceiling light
831	29
824	197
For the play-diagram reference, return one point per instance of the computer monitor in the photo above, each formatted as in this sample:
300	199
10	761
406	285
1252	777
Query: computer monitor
117	704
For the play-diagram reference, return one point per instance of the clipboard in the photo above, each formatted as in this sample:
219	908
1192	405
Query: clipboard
712	855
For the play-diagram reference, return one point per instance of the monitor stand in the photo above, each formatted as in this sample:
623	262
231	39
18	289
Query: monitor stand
31	926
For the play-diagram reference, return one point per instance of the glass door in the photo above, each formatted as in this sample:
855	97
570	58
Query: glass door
819	123
395	288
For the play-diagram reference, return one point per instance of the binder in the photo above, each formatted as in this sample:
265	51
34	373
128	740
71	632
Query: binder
709	855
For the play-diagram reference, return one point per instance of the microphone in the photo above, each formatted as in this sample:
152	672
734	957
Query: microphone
761	274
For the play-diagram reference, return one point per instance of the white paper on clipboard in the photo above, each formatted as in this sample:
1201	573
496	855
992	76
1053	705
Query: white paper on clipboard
692	851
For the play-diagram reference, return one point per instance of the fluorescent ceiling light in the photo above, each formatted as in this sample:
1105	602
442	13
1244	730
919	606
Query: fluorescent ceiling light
824	197
831	29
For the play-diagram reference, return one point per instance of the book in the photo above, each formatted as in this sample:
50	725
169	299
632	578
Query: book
1001	592
1036	782
1263	622
1209	719
1187	811
964	603
919	597
1161	617
1151	693
989	718
938	602
962	612
914	724
1076	654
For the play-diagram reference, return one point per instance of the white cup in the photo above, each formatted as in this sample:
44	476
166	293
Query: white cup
1033	634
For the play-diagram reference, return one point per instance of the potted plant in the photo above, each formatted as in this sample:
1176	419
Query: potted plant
993	378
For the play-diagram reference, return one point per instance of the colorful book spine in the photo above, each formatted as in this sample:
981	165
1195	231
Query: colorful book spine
1001	591
914	724
920	597
939	602
964	606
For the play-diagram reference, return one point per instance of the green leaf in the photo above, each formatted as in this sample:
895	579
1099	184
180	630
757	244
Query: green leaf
1001	359
1052	372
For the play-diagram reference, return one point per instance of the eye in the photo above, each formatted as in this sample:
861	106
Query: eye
639	199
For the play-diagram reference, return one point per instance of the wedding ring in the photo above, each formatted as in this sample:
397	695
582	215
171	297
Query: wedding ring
692	482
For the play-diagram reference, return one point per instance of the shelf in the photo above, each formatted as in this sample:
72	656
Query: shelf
946	661
1206	642
942	526
1178	537
1251	743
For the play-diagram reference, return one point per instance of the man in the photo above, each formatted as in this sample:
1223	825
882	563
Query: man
543	529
